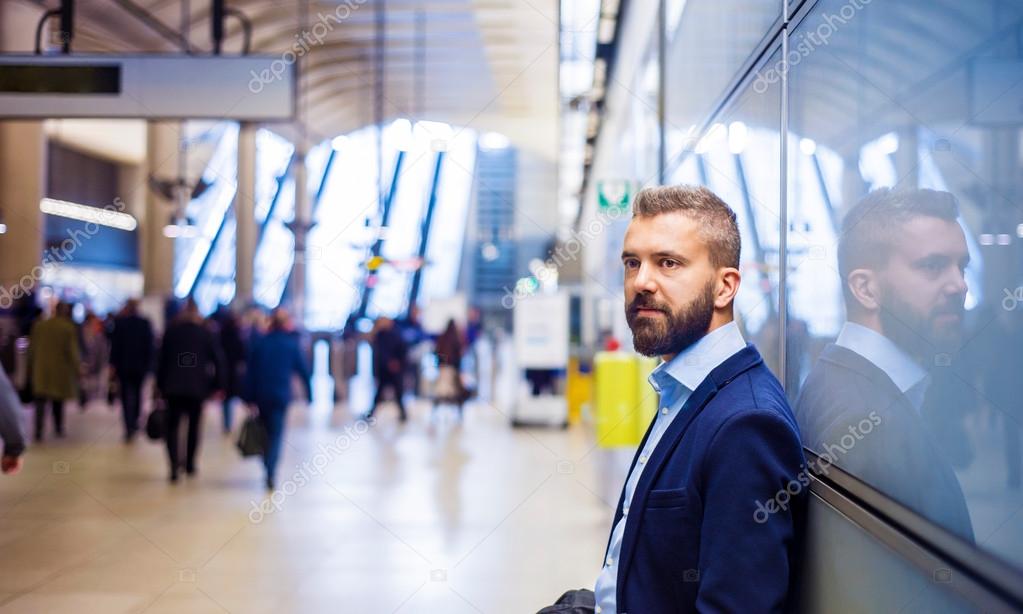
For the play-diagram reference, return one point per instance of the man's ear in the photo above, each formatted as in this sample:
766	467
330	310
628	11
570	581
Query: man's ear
864	288
726	287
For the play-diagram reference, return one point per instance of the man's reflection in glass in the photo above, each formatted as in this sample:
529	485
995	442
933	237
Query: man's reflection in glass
902	256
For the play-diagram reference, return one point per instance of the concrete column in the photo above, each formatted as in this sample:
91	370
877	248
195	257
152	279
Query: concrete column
245	215
22	185
163	152
300	227
22	171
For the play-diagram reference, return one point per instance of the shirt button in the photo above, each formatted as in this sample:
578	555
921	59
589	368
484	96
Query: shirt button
597	609
625	511
642	460
610	561
664	411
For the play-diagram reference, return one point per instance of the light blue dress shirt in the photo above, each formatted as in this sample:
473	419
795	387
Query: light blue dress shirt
673	381
909	377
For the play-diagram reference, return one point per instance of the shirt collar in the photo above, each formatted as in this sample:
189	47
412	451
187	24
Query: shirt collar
881	351
692	365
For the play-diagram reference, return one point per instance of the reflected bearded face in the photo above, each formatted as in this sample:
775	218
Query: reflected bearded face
923	288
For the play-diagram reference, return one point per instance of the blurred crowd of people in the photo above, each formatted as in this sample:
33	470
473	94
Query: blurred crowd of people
251	359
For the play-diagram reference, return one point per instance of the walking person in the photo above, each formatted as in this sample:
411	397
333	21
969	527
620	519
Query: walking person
95	356
230	337
131	355
344	359
190	369
273	359
448	349
389	357
54	361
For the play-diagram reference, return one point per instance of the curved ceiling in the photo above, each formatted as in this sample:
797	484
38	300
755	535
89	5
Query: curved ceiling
485	64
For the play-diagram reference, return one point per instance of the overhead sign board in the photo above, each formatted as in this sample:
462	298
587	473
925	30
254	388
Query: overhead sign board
243	88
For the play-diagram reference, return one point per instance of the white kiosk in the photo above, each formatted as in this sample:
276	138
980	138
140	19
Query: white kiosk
541	327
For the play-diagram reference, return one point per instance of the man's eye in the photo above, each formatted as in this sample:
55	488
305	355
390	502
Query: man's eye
630	264
669	264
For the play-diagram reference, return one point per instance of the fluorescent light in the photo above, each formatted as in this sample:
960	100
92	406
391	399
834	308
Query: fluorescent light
180	231
736	137
403	130
435	134
85	213
494	140
889	143
709	139
807	146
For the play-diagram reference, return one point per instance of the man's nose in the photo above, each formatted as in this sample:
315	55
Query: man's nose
644	280
957	282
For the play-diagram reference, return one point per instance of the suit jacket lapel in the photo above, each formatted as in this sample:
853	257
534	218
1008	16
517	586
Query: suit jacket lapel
722	375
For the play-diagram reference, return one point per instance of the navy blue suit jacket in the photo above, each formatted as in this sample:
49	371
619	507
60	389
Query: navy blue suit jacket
697	537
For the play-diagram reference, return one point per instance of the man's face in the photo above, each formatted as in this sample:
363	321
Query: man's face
669	283
923	289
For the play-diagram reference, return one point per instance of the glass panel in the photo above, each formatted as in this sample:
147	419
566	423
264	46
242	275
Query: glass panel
454	191
708	42
904	323
339	242
208	210
738	159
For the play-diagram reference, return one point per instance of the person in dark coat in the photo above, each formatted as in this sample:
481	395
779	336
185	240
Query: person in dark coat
189	370
230	335
448	349
273	359
131	357
390	354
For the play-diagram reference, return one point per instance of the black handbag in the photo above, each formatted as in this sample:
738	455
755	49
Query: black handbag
156	424
252	440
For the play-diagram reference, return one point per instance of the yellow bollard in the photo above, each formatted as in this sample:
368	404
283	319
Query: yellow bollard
615	379
578	390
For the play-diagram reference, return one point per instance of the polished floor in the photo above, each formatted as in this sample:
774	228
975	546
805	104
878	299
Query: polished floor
430	516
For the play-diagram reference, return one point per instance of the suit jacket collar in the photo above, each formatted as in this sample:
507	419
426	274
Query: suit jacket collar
721	376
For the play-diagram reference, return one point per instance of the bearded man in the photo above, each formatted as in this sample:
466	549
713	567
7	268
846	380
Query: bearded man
710	513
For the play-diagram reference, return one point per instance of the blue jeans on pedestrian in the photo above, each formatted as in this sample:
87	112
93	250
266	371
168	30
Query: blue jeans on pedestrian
273	417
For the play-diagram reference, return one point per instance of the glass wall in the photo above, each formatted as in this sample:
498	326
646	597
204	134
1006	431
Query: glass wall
892	309
904	254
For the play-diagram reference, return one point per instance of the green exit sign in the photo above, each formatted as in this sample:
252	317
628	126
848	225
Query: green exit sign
615	194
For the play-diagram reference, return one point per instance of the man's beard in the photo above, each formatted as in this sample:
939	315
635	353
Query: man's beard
676	331
921	336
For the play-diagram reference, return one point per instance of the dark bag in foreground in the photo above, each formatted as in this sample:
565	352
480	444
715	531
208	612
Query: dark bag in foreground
252	439
156	424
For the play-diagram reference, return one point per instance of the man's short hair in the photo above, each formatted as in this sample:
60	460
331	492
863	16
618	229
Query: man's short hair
874	225
717	225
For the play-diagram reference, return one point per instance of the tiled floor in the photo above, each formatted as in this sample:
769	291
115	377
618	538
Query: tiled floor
430	516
